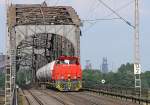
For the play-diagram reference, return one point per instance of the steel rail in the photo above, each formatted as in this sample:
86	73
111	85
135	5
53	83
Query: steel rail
35	97
56	98
26	98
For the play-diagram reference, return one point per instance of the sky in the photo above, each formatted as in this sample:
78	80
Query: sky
104	38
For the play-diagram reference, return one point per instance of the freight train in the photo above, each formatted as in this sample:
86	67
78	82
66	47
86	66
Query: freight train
64	74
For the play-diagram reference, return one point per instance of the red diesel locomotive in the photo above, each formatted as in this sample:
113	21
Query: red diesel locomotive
64	73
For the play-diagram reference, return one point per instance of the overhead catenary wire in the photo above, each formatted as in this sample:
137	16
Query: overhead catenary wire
95	21
105	17
92	8
56	2
122	7
100	19
114	12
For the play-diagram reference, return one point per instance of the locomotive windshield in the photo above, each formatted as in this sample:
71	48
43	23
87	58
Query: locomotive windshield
66	61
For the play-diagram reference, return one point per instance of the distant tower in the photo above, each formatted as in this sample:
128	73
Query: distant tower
104	65
88	65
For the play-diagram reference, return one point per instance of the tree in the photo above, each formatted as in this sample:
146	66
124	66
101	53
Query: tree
91	77
145	79
124	76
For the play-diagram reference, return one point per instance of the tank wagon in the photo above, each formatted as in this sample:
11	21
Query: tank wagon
64	73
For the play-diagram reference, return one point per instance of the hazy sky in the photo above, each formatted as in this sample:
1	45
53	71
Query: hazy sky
104	38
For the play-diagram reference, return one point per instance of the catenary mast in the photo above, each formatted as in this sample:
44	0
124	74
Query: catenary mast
137	66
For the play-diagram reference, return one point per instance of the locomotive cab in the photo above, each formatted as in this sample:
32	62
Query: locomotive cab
67	73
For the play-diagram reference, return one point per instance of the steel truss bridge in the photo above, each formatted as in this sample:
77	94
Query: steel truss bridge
38	34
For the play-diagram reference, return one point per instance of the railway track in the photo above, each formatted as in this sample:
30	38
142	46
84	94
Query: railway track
74	98
81	99
26	97
31	98
51	97
37	99
59	99
88	98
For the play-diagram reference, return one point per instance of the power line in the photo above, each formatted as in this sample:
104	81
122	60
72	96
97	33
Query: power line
92	9
92	24
95	21
56	3
114	12
118	9
121	8
105	17
99	19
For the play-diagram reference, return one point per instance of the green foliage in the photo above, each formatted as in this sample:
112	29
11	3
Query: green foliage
2	80
124	77
146	79
91	77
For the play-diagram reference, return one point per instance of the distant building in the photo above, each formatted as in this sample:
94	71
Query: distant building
104	66
88	65
2	62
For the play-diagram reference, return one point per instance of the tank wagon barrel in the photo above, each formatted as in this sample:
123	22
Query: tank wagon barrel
45	72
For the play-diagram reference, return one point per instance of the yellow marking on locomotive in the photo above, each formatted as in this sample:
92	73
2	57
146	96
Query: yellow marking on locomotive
78	85
69	84
58	86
